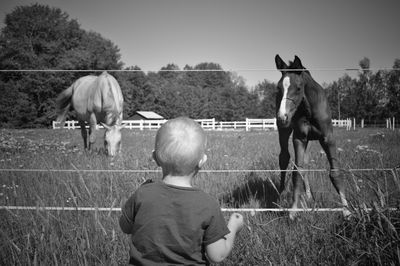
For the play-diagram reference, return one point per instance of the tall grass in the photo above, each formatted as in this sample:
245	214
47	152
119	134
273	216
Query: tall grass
94	238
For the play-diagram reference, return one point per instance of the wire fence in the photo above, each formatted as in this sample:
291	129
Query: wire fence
201	171
112	209
202	70
251	210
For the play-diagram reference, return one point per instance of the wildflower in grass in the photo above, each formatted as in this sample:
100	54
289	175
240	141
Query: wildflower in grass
339	149
365	148
361	147
375	151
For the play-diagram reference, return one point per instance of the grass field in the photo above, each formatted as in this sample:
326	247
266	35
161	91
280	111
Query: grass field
93	237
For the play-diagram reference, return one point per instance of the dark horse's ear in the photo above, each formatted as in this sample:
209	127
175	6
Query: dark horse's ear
297	63
280	64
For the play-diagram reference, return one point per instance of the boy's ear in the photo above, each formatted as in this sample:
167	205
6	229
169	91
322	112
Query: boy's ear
155	157
203	160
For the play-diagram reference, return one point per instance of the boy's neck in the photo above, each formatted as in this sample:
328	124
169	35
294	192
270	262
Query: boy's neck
180	181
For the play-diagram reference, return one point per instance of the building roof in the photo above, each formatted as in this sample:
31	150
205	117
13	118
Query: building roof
149	115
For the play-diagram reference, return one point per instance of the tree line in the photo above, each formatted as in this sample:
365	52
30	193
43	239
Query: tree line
372	96
39	37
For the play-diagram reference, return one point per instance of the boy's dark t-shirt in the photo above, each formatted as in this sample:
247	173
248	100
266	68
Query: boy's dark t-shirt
171	225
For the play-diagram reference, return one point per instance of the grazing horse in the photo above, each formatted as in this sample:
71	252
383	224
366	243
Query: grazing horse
95	99
302	108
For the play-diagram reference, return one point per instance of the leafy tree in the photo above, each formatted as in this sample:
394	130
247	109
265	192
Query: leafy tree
16	109
266	92
393	91
372	96
172	74
40	37
379	86
366	102
35	36
133	85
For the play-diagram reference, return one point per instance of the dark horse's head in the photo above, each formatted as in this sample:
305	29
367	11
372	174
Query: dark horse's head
290	90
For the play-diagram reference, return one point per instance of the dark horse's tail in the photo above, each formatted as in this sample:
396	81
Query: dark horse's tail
64	104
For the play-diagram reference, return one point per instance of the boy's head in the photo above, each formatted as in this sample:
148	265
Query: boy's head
180	147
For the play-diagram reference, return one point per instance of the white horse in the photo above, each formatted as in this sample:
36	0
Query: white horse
95	99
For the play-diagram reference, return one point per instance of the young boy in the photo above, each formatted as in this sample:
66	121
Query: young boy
171	222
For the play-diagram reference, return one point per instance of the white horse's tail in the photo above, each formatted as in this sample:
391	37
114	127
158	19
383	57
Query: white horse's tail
64	104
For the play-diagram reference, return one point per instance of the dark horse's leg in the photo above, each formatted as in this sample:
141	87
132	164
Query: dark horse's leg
329	146
284	155
300	146
83	133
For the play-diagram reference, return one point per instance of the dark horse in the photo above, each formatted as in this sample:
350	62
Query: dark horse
302	108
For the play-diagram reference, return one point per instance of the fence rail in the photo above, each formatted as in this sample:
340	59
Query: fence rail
211	124
251	210
207	124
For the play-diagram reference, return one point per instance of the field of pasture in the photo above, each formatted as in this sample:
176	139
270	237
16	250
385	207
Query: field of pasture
37	237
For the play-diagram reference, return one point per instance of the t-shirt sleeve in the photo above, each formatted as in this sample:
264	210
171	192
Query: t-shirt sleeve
128	215
217	227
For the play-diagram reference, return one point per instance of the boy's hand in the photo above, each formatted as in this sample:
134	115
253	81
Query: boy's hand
236	222
220	249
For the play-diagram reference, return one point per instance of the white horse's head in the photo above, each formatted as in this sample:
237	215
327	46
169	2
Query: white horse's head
112	139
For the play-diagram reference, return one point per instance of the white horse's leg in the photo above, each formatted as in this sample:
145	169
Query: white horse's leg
92	130
83	133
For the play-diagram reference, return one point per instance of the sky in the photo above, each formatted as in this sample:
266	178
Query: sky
328	36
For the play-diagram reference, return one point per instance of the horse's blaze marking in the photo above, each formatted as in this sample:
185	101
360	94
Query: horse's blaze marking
286	85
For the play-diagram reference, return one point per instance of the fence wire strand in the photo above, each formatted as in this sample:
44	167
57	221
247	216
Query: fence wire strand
112	209
251	210
138	171
202	70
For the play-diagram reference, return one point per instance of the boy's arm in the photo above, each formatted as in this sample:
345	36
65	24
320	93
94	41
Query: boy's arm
220	249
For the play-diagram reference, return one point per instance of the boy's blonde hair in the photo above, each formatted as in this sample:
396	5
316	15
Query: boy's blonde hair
180	146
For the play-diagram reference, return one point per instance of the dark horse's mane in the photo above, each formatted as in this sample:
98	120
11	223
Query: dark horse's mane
317	89
298	68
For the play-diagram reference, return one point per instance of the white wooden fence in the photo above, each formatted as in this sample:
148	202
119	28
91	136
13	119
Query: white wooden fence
347	123
351	123
207	124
